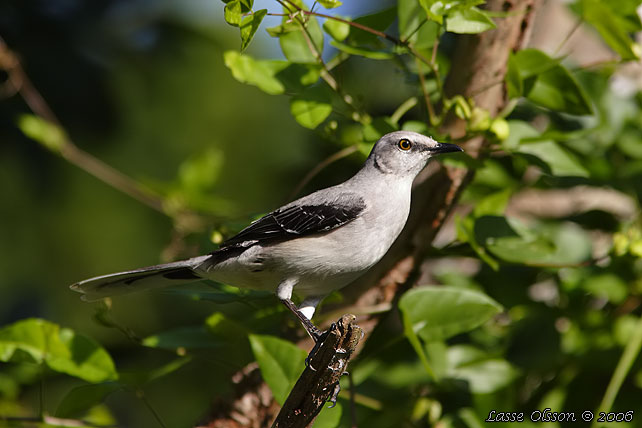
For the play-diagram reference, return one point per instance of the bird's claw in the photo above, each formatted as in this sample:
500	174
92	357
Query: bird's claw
318	336
335	394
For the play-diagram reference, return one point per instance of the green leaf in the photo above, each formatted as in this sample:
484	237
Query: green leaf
233	13
544	245
311	107
338	30
414	26
63	350
142	377
612	28
608	286
377	21
435	9
493	204
500	238
79	400
294	43
547	83
514	82
281	363
46	133
560	161
468	21
518	131
558	90
437	313
361	51
249	26
466	233
533	62
329	417
271	76
200	173
246	69
484	374
410	17
329	4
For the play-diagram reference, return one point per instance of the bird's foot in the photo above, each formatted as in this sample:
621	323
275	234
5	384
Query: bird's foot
318	336
335	394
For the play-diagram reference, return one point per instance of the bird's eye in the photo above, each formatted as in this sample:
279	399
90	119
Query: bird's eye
404	144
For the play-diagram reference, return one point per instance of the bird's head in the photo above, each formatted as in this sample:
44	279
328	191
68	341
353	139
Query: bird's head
406	153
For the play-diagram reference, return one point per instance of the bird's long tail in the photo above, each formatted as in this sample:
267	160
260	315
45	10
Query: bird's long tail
146	278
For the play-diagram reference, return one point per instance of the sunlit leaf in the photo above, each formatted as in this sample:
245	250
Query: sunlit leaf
329	417
483	373
280	361
559	160
63	350
249	25
311	107
361	51
493	204
466	233
468	21
336	29
329	4
46	133
437	313
608	286
545	82
414	26
547	244
233	13
612	27
246	69
302	39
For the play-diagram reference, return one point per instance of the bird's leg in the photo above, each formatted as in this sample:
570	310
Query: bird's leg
312	330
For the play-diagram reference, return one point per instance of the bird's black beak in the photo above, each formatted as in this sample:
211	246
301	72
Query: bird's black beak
446	148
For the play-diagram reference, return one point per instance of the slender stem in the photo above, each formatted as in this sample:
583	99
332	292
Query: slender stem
421	24
358	115
422	82
631	352
568	35
141	395
403	109
69	151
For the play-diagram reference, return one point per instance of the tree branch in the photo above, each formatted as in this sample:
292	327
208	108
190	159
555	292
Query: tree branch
20	83
319	382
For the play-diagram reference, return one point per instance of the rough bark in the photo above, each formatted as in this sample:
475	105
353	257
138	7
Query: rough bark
477	72
320	380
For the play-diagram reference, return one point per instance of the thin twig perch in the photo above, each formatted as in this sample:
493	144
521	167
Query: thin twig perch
319	380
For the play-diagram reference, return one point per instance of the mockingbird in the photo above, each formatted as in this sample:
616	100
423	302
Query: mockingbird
310	247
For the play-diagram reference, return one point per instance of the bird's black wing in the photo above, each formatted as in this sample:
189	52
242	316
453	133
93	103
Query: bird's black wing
298	220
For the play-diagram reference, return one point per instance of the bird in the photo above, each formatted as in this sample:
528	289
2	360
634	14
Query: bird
310	247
